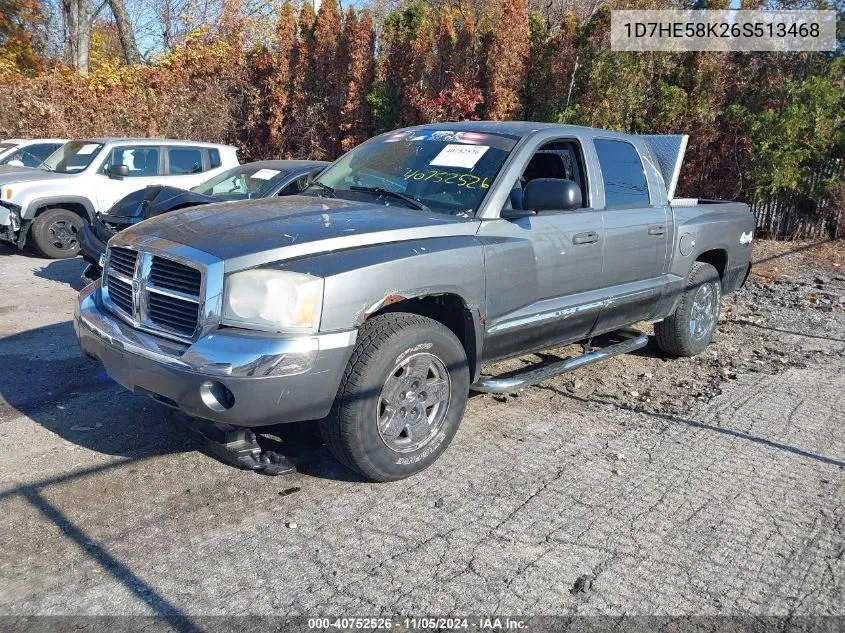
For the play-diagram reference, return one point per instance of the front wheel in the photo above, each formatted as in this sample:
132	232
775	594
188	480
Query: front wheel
401	399
55	233
691	327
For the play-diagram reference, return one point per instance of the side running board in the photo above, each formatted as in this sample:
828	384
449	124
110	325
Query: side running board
525	378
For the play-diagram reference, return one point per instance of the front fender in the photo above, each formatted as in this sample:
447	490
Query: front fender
361	281
30	205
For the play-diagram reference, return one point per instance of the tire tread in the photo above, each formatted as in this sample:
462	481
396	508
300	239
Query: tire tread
671	335
338	428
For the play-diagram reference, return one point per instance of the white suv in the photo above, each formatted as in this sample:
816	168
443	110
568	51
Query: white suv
83	178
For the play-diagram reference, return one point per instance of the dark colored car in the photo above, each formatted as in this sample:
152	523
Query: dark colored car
262	179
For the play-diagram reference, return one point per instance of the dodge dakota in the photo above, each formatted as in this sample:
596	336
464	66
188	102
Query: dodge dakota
371	301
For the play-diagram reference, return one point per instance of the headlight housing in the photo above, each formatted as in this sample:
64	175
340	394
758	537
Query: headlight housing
273	300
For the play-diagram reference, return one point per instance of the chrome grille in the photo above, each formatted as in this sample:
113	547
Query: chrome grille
120	293
170	275
153	292
123	260
173	313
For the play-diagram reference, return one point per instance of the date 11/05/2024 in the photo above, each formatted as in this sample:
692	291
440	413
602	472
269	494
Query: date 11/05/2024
421	623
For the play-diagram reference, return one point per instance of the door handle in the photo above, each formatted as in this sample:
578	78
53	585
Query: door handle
590	237
657	229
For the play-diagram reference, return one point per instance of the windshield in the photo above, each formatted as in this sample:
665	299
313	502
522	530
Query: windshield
5	146
447	171
243	182
73	157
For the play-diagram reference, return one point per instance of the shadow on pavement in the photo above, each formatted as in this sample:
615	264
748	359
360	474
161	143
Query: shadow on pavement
112	421
675	419
66	271
792	332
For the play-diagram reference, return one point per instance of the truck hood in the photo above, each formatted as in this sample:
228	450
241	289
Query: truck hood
256	232
12	175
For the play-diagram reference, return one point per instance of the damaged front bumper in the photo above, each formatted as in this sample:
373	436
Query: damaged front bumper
232	376
10	224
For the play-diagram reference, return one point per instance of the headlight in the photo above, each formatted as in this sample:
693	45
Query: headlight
273	300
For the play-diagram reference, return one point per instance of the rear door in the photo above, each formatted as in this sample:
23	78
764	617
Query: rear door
186	166
636	232
543	271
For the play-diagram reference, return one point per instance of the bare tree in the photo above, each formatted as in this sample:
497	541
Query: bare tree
79	17
125	32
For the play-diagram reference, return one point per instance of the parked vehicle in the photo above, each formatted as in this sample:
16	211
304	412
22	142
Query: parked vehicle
262	179
372	302
19	152
83	178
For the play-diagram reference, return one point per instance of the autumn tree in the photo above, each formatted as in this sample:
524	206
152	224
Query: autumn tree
357	57
280	78
327	78
19	20
449	91
398	70
508	54
300	124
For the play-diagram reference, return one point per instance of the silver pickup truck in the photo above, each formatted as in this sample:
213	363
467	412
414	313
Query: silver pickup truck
372	301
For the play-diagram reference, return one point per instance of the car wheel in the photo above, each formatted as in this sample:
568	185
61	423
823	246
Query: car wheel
401	398
55	233
691	327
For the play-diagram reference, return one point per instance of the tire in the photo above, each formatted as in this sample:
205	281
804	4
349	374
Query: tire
54	233
691	327
383	389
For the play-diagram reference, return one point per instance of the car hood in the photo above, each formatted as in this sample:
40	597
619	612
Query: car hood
251	233
10	175
155	200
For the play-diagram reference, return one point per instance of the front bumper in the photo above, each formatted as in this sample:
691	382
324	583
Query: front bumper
236	377
10	223
91	246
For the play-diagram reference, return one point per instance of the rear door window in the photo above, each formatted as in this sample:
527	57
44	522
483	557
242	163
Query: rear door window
184	160
622	171
214	158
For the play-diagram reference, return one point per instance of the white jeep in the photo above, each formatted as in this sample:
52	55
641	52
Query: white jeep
83	178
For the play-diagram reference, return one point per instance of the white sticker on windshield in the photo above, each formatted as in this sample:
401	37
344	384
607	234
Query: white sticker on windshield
90	148
465	156
265	174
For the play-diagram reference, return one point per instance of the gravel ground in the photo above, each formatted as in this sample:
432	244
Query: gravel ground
644	485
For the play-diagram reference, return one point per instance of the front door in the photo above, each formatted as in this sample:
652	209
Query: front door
543	271
145	164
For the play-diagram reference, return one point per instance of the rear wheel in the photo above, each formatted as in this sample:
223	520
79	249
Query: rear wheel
691	327
401	399
55	233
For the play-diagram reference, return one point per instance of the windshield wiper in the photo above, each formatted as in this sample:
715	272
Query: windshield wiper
387	193
322	187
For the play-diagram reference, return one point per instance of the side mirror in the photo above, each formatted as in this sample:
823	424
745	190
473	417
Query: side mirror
118	171
15	163
551	194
